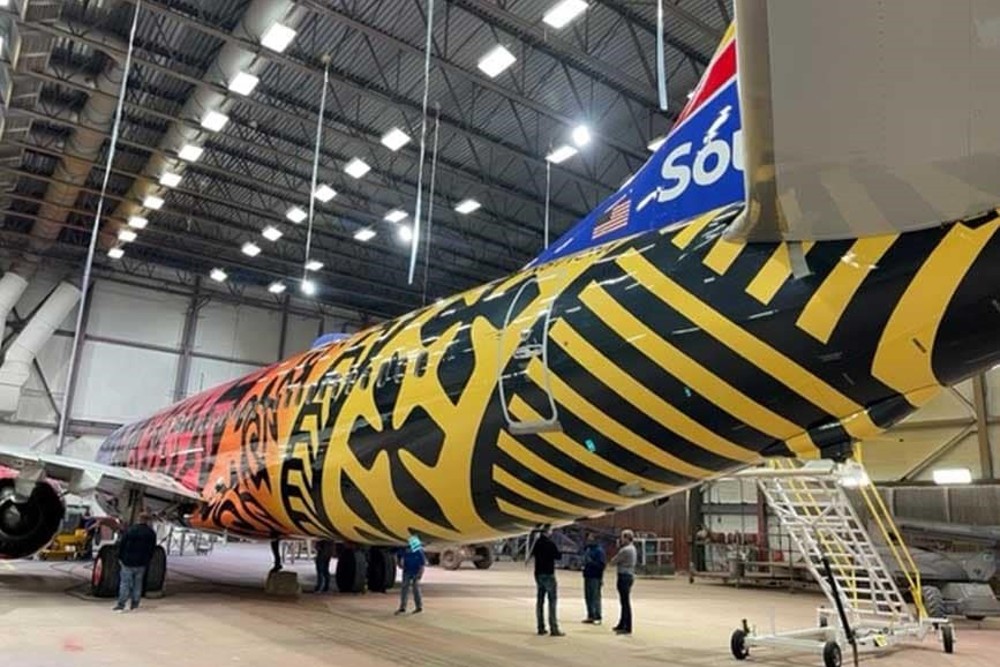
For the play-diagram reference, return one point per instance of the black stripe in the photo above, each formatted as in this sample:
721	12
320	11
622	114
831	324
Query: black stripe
543	484
503	493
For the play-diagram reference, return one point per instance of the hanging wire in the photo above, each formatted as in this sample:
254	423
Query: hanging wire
315	168
661	65
423	141
548	189
430	202
94	234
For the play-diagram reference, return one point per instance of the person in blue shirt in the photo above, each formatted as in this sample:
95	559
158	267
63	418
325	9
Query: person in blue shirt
594	561
412	561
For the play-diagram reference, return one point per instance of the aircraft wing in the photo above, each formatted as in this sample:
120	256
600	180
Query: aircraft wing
82	477
863	118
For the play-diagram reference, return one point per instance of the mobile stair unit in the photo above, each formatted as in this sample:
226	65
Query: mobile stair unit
866	610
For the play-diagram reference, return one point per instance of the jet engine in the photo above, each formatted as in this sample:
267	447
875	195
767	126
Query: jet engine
28	523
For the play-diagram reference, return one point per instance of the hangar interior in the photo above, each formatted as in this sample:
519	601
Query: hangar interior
212	260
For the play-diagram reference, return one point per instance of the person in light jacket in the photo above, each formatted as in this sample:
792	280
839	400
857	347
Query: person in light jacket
625	561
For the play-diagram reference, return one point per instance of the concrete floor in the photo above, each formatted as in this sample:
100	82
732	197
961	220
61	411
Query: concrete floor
216	614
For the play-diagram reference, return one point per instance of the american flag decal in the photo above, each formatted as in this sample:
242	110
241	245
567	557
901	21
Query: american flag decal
614	218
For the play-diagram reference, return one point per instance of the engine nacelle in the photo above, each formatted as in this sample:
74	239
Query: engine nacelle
28	524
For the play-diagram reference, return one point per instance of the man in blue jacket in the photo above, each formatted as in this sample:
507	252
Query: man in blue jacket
412	560
135	550
594	561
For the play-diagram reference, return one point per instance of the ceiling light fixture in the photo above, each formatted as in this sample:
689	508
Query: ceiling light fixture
250	249
218	275
214	121
560	14
277	37
561	154
396	215
364	235
357	167
952	476
308	287
190	153
170	180
277	287
296	214
138	222
467	206
243	83
324	193
581	135
116	253
496	61
314	265
127	235
153	202
271	233
395	139
405	233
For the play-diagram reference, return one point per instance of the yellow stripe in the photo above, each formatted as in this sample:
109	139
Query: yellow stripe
537	464
694	375
771	276
504	478
757	352
903	357
521	513
613	431
575	450
683	238
722	255
642	398
828	303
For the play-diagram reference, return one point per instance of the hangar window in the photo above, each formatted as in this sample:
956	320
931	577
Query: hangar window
420	368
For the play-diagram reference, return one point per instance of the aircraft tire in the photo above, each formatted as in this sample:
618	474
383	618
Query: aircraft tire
381	570
156	572
484	558
352	568
104	577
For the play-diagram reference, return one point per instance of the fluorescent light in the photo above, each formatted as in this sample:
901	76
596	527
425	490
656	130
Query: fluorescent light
952	476
324	193
277	287
395	139
127	235
563	12
357	167
561	154
116	253
214	121
137	222
277	37
395	215
581	135
250	249
190	153
296	214
271	233
314	265
655	144
308	287
218	275
170	180
366	234
467	206
243	83
405	233
153	202
496	61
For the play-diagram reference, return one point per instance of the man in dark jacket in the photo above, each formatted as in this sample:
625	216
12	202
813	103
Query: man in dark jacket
135	550
594	561
546	553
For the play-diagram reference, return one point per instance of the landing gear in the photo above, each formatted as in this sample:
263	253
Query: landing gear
483	559
104	577
381	570
156	573
352	570
276	554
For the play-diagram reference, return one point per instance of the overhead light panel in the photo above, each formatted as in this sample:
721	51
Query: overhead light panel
952	476
357	167
308	287
561	13
250	249
153	202
218	275
496	61
277	37
324	193
467	206
405	233
366	234
395	139
655	144
243	83
127	235
277	287
561	154
214	121
581	135
116	253
170	179
190	153
271	233
314	265
296	214
138	222
396	215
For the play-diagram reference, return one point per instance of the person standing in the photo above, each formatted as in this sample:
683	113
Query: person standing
625	561
594	561
324	552
135	551
411	560
546	553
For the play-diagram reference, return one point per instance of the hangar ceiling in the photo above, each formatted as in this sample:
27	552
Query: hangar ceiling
63	62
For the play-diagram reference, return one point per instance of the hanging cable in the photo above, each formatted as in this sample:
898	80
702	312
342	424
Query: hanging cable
430	202
661	65
315	168
423	140
94	234
548	189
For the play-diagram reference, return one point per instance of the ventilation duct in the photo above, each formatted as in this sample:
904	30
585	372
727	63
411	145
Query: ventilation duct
11	288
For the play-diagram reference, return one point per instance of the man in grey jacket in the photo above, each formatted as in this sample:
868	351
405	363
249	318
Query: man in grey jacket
625	561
